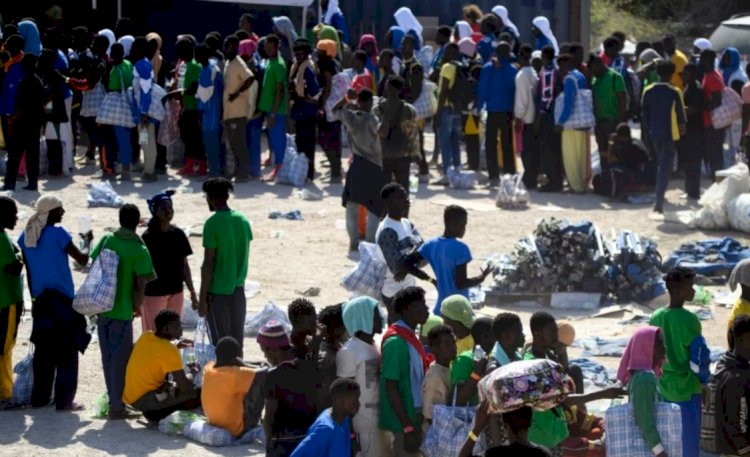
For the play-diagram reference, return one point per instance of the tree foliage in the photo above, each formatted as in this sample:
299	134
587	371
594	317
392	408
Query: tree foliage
694	13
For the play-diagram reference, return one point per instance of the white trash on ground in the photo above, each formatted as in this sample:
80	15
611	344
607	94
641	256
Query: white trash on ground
270	312
103	195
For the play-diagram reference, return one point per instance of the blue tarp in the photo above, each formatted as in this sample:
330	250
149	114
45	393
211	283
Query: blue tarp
709	257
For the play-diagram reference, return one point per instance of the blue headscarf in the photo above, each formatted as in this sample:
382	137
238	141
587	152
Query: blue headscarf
734	64
358	315
397	36
30	33
154	201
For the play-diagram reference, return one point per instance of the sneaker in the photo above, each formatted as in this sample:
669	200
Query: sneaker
443	181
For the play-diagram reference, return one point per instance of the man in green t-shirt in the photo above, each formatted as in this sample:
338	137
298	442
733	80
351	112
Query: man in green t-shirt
115	328
273	101
608	90
678	383
465	371
190	121
11	295
402	372
226	242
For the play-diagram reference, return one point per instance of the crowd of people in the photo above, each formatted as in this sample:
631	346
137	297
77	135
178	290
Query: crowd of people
360	377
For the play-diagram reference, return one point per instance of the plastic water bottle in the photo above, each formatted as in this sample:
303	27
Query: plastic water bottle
413	185
479	353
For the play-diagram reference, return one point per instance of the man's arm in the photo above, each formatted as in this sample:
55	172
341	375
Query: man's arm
80	256
276	104
188	274
271	406
463	282
207	276
139	291
569	89
411	261
245	86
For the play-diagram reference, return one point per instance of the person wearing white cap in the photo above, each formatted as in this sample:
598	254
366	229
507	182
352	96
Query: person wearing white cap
542	31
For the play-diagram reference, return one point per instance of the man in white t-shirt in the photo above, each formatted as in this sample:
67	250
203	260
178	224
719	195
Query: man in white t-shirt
397	239
359	359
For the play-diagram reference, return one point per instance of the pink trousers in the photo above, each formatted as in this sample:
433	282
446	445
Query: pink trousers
152	306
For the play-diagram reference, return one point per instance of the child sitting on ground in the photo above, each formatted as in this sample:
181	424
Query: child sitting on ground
679	384
154	357
436	387
731	393
330	434
232	390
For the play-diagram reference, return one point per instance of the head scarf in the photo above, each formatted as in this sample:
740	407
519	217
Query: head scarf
740	275
329	33
329	46
432	322
30	33
467	47
247	48
110	37
154	201
639	354
458	308
369	39
464	29
333	8
359	315
702	43
397	36
286	28
157	60
38	220
502	12
542	23
407	21
145	73
127	43
732	71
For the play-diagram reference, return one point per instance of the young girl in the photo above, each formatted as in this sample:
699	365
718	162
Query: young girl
640	369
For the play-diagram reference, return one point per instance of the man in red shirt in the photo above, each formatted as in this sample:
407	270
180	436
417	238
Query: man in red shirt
713	84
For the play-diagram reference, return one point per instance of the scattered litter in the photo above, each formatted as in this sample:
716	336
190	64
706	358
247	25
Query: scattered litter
593	371
103	195
252	288
602	347
277	234
294	215
340	224
270	312
512	193
309	292
308	195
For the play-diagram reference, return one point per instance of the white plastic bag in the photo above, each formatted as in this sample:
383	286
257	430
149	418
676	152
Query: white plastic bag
270	312
512	192
739	213
714	215
103	195
462	180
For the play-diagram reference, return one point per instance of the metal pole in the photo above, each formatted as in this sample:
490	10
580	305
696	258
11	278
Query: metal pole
320	12
119	9
304	22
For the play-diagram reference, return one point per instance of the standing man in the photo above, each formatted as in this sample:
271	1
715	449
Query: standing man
609	94
448	117
404	364
398	127
713	84
550	86
304	88
692	144
273	102
237	80
209	95
190	122
524	110
226	242
497	88
115	328
678	59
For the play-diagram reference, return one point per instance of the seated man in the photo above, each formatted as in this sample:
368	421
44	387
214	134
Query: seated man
232	395
627	166
153	359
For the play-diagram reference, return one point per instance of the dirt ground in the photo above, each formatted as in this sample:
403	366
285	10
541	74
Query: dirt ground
290	256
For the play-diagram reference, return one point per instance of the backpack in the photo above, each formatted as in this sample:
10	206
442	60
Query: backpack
608	183
463	94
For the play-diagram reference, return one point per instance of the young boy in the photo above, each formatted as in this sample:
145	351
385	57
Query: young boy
465	371
154	358
679	384
231	389
731	385
305	336
509	339
330	434
662	104
291	403
436	387
448	257
459	316
361	77
11	295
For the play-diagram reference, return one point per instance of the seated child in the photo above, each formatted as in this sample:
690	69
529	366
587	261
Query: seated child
153	359
330	434
731	384
231	389
436	387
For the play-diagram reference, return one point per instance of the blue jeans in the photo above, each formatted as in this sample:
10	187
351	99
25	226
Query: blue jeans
664	151
691	426
213	151
254	130
449	137
124	146
277	139
116	344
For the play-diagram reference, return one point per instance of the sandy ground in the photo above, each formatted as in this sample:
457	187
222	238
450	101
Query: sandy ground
289	256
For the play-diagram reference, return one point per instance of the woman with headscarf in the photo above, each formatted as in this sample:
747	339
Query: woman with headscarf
369	44
542	30
472	15
329	33
359	359
58	332
31	37
169	249
329	133
110	35
127	44
283	27
507	26
734	76
334	17
395	37
303	88
640	369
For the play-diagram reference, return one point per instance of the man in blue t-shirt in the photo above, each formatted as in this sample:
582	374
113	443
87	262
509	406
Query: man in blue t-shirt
448	257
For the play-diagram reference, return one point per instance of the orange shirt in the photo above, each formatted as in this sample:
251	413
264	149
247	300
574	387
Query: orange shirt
223	395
